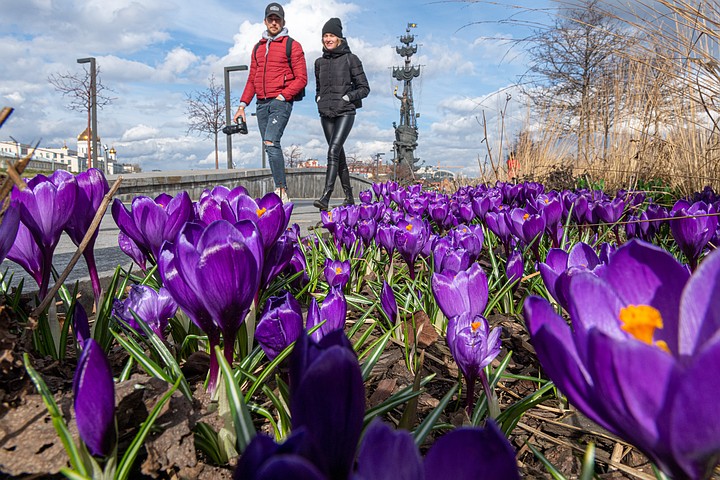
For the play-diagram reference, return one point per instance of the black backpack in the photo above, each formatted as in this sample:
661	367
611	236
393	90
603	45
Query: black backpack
288	53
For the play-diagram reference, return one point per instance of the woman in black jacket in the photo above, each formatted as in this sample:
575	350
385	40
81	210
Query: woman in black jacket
341	85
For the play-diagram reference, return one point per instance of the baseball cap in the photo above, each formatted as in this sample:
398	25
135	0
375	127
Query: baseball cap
275	9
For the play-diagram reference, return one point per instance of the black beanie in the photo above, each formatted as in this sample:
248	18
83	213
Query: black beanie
334	26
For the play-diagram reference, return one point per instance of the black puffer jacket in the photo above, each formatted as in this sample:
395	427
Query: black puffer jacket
339	72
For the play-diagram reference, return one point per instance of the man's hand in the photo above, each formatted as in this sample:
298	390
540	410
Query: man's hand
240	113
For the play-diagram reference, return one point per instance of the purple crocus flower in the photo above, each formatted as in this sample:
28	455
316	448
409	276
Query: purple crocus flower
155	308
92	188
693	228
8	230
45	208
277	259
636	360
528	227
438	209
385	237
328	220
94	403
365	196
366	228
327	406
461	292
330	411
266	212
560	266
410	238
131	249
150	223
447	257
298	264
280	324
337	272
485	202
474	346
462	297
333	312
26	253
515	268
80	324
497	223
213	274
389	303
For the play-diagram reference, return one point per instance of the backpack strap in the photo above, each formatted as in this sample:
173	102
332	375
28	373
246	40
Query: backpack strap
288	52
254	54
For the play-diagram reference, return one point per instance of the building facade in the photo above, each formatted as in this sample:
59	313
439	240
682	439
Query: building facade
64	158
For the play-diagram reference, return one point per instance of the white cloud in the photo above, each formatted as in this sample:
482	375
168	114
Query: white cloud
139	133
152	53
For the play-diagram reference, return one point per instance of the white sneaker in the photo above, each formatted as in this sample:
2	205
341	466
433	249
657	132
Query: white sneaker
282	193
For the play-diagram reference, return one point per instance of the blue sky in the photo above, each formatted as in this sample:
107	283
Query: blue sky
152	53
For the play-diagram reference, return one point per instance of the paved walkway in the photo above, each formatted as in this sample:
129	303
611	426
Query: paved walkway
108	255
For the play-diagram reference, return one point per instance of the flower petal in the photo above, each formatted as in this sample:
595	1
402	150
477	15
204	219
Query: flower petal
94	399
387	454
471	454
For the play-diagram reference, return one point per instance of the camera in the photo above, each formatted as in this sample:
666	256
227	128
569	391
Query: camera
240	127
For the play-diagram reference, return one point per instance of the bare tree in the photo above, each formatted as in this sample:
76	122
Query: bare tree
206	112
293	155
78	88
571	62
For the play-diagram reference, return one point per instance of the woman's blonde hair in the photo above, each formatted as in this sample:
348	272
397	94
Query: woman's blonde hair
340	39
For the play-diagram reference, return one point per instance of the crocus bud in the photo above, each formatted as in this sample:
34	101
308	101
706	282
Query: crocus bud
95	399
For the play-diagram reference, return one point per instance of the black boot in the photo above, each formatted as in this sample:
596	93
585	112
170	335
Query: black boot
330	174
346	186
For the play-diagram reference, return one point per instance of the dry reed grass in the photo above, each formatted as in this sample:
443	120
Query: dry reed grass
656	116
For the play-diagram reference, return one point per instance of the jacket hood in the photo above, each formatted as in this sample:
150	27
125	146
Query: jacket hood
281	33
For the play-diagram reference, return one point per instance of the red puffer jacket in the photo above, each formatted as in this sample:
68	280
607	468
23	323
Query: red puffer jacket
271	75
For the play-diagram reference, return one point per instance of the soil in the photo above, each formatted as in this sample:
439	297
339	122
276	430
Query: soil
30	448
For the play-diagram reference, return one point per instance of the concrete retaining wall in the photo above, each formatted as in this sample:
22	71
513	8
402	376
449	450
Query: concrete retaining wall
302	182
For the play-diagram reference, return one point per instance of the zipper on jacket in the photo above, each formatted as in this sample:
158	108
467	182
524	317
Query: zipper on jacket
267	54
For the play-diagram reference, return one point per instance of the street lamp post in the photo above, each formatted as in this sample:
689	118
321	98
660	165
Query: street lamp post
377	164
226	77
93	108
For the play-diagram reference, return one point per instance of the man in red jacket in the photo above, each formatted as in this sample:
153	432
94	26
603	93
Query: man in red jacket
276	80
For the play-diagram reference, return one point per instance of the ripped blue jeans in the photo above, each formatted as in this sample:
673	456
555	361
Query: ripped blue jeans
273	116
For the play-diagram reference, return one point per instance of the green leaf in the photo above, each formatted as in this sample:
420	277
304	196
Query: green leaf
511	415
244	427
138	354
101	331
588	468
72	474
379	348
549	466
481	405
427	425
206	440
57	419
157	344
395	400
70	302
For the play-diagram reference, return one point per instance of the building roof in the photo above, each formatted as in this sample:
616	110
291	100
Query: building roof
85	134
